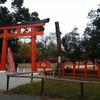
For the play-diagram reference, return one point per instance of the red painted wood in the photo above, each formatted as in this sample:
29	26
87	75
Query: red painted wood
33	33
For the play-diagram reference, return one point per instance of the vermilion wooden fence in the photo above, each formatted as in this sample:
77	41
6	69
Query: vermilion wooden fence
74	69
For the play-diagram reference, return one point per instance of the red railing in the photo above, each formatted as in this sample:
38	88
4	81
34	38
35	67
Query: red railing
74	69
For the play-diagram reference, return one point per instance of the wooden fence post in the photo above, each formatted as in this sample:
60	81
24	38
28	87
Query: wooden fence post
42	86
7	88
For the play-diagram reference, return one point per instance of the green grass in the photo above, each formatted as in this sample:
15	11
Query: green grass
60	89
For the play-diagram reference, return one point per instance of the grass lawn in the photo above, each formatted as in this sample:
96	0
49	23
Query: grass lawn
60	89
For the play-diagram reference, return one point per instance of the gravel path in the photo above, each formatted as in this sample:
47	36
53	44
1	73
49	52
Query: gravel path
13	81
16	82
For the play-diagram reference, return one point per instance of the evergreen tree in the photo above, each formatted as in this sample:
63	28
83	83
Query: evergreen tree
71	45
92	36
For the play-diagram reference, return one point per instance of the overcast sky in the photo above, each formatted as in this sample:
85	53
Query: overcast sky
69	13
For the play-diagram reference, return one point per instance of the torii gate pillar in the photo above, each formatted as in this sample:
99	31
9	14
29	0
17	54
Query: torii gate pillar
33	59
4	52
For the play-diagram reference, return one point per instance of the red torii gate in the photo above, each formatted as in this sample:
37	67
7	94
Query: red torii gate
33	27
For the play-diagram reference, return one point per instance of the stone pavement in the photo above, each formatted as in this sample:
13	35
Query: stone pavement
25	97
17	97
